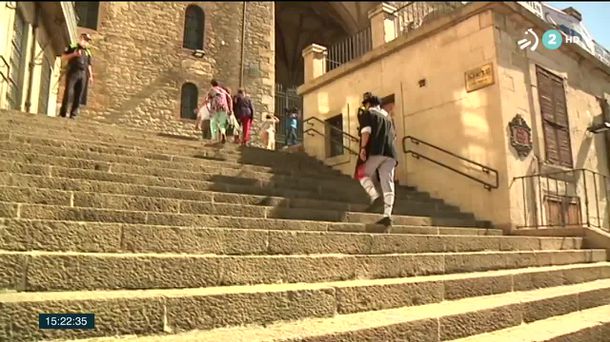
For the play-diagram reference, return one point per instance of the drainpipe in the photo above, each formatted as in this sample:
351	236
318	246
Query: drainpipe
32	64
243	45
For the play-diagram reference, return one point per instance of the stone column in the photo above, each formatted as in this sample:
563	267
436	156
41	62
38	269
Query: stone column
314	60
383	29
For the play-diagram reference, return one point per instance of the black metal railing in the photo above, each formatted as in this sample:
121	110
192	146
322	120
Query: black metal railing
482	168
414	14
556	199
344	134
349	49
312	132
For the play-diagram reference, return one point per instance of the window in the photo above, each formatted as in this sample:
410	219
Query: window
562	211
17	61
334	135
45	87
87	12
555	125
188	101
194	22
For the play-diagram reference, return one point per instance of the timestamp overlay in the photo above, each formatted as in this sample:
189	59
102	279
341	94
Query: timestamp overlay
66	321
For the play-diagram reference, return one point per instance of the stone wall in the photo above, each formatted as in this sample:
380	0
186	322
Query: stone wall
139	63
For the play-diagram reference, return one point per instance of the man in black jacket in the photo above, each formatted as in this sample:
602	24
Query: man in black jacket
78	76
378	151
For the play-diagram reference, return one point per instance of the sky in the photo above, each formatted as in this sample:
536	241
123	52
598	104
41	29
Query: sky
595	16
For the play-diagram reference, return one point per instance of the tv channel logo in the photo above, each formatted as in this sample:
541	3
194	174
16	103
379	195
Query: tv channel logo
552	39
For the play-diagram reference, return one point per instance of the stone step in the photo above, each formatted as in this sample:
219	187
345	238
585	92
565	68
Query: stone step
244	155
24	211
440	321
242	186
38	186
208	214
348	189
183	161
49	235
116	133
204	173
200	173
75	271
139	157
588	325
142	202
205	153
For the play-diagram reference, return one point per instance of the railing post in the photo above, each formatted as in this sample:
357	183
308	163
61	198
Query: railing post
383	29
314	60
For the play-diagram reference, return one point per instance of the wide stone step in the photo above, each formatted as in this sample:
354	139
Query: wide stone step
244	155
208	308
207	214
443	321
185	162
213	199
72	271
282	163
140	157
27	235
222	184
589	325
35	191
115	134
223	175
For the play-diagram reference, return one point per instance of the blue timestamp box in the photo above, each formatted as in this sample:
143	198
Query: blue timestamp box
66	321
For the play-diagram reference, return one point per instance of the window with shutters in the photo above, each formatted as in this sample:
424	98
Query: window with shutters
562	211
188	101
334	129
87	12
194	23
17	61
45	86
555	123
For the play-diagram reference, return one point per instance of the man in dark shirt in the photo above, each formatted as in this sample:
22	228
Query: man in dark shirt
77	76
379	153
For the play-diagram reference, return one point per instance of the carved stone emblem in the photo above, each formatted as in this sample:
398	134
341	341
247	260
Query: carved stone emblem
520	136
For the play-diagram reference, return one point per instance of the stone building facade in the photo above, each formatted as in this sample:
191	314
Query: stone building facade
461	83
141	64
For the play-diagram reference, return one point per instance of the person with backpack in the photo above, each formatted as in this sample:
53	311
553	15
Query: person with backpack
220	105
244	112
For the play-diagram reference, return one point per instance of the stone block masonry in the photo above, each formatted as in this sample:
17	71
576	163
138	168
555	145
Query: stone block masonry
140	64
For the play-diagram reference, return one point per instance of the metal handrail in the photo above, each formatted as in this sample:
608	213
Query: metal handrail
484	168
307	131
343	133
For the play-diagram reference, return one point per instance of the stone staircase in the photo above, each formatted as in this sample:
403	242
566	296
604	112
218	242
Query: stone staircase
172	240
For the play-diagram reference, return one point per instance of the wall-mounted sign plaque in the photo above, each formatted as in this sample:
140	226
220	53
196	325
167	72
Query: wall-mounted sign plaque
479	78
